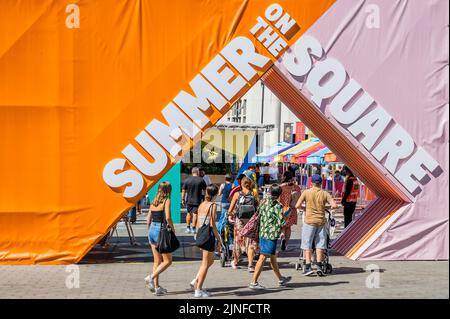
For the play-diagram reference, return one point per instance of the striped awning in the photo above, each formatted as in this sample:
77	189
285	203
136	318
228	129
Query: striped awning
318	156
300	158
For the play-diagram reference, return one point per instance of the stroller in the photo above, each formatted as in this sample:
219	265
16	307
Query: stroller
226	231
330	227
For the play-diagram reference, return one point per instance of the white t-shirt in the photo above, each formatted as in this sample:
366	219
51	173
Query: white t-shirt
274	173
325	171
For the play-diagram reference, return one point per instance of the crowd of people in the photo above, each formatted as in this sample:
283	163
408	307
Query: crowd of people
258	222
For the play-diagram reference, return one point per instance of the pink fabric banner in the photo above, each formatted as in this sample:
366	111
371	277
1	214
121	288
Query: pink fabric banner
398	52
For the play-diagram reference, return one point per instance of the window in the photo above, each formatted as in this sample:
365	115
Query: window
238	113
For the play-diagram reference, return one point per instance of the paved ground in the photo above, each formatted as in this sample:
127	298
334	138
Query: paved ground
118	272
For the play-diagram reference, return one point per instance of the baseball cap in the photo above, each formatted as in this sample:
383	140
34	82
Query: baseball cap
316	179
248	174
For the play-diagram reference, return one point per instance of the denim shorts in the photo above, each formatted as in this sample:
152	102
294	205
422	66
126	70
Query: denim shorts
153	232
312	234
192	209
267	246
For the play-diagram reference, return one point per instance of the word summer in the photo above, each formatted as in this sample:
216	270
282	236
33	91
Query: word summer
225	78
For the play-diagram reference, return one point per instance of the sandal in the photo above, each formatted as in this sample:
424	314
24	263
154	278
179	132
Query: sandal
234	265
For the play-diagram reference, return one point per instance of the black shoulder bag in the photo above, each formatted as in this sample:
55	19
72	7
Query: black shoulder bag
167	241
205	235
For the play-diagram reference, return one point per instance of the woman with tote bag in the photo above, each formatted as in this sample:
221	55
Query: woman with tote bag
206	237
159	221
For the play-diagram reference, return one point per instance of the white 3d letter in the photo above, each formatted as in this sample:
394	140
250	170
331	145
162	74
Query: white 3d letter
371	126
121	179
220	75
332	86
413	167
396	145
241	53
356	109
298	60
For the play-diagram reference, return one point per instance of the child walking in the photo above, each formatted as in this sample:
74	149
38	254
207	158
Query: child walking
270	226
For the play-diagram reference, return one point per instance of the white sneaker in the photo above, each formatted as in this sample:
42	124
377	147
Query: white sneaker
149	283
256	286
188	231
193	283
201	293
160	291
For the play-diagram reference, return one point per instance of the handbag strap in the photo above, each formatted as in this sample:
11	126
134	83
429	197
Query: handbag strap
209	211
164	214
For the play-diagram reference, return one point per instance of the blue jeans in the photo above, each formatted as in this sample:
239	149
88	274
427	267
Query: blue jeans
153	232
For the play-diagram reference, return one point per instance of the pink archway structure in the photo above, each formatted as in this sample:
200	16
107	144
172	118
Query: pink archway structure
394	92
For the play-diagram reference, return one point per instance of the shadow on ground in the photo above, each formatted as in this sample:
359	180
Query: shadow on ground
120	250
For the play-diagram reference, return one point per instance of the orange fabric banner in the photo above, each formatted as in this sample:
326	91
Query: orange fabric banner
79	81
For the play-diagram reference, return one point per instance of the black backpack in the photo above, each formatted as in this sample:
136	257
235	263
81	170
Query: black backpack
246	205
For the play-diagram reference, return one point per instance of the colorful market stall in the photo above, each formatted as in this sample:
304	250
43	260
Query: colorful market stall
289	153
269	154
317	157
300	158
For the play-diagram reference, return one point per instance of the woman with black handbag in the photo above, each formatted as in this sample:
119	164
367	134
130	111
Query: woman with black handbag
160	225
206	237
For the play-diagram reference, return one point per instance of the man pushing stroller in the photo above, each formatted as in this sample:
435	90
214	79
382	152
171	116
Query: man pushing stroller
314	227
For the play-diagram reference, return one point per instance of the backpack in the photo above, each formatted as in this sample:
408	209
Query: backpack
246	205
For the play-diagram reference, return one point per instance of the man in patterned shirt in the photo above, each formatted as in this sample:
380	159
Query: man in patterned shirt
270	224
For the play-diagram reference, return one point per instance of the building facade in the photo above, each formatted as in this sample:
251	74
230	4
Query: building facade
259	106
